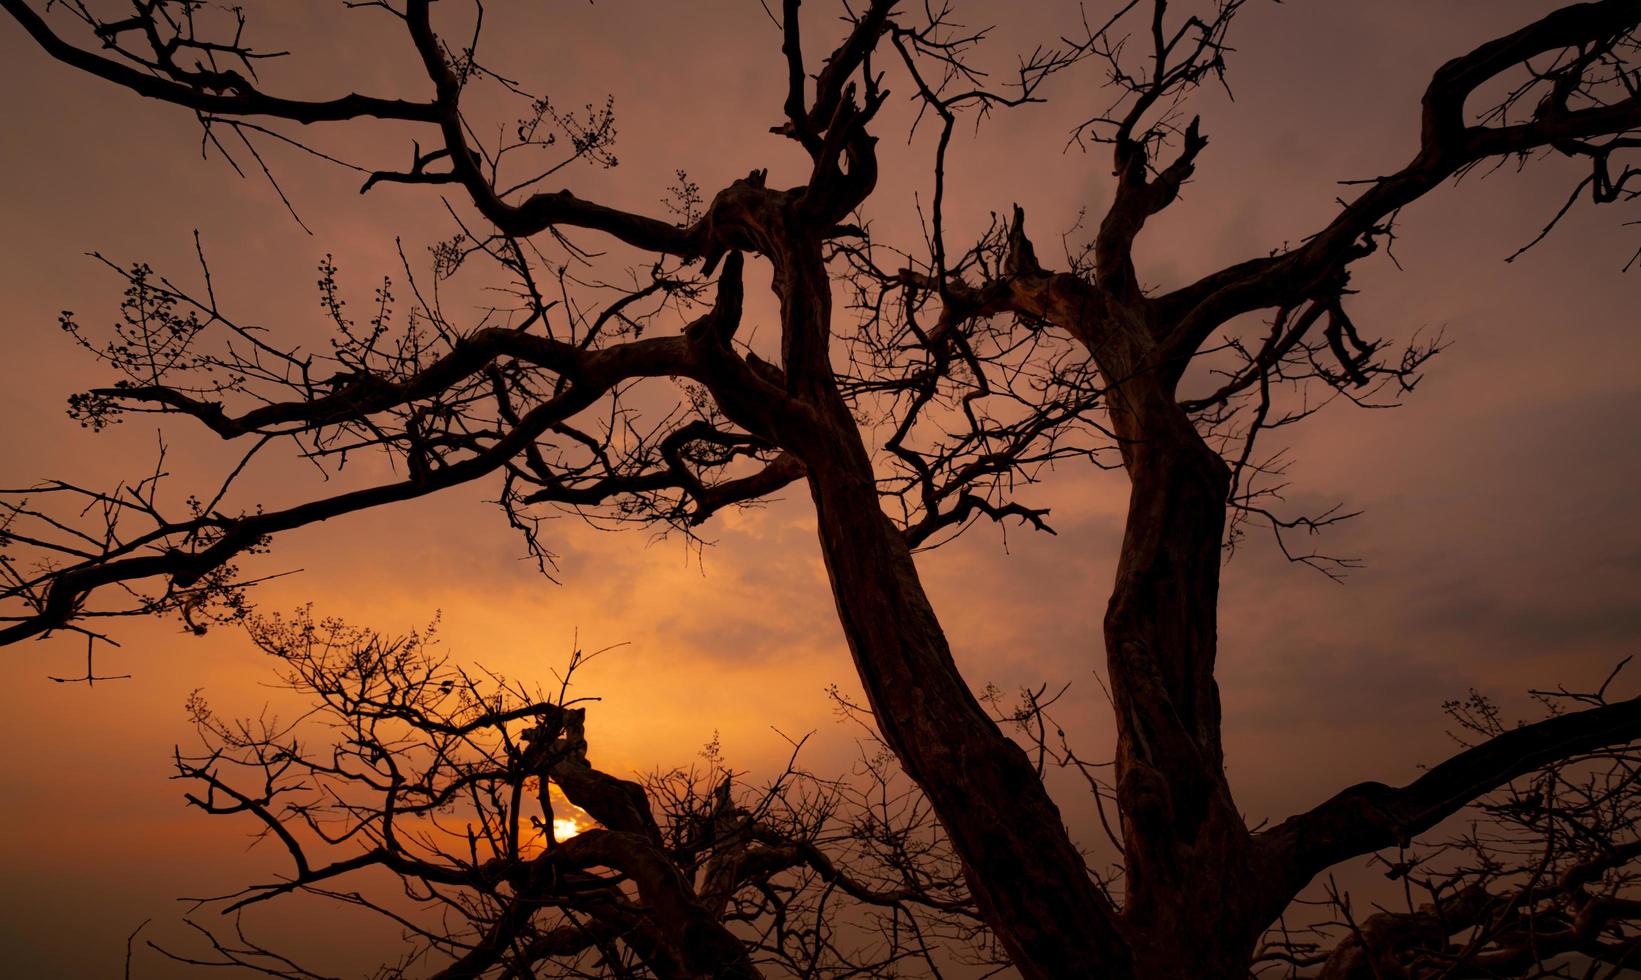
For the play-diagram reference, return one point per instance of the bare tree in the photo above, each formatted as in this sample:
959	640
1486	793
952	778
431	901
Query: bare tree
976	368
516	857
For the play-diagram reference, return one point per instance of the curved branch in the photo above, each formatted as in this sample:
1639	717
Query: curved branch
1370	816
601	371
241	100
1448	145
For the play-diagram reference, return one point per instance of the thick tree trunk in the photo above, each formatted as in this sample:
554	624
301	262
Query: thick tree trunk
1027	877
1192	879
1195	900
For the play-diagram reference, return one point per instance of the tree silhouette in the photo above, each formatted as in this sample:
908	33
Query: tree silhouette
971	371
520	858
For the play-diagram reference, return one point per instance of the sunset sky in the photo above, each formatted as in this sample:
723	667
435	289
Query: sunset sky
1499	532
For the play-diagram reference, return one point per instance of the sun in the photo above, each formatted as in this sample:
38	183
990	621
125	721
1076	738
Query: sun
565	828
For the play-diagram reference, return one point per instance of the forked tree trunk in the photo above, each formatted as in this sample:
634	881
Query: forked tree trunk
1193	895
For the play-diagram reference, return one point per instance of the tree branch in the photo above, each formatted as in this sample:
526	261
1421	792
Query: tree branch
1370	816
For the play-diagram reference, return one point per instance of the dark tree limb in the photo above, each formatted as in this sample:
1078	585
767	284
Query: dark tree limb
1371	816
